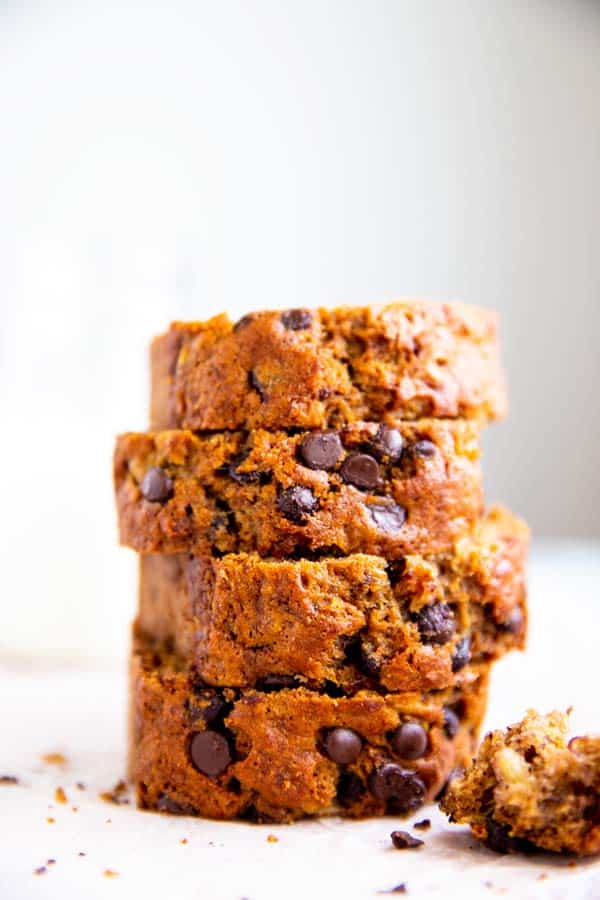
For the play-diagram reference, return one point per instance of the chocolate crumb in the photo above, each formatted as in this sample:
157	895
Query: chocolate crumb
402	840
80	785
423	825
9	779
116	795
54	759
60	796
41	870
81	853
399	889
50	862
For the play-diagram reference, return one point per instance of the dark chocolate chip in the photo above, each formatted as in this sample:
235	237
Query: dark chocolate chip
409	740
210	753
342	745
217	708
423	825
514	623
168	805
296	503
424	449
350	789
277	683
451	722
321	450
462	653
156	485
395	570
388	517
387	444
296	319
402	840
361	470
435	623
245	477
499	839
256	384
398	786
241	323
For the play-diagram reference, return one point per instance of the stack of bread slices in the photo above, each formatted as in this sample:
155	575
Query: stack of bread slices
322	591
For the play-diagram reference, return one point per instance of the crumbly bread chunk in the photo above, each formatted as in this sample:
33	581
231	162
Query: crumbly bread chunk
529	787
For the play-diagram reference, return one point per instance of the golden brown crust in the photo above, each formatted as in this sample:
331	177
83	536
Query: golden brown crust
530	788
354	621
322	368
236	492
278	769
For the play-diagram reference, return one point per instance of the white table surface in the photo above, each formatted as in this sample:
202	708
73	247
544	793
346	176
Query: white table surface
81	713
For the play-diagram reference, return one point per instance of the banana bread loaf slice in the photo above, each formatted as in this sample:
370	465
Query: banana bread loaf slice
282	753
365	488
326	367
354	622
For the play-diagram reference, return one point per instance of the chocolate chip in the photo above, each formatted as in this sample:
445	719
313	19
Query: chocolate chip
277	683
409	740
296	319
402	840
395	570
321	450
361	470
499	839
350	789
342	745
423	825
451	722
387	444
217	708
296	503
156	485
514	623
387	517
256	384
241	323
424	449
435	623
393	783
250	477
462	653
209	752
168	805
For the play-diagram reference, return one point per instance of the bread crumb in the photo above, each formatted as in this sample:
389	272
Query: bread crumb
272	839
110	873
54	759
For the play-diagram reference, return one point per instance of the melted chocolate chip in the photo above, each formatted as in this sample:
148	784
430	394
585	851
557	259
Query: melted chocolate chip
402	840
361	470
409	740
388	517
424	449
251	477
321	450
296	503
435	623
387	444
210	753
462	653
256	384
451	722
168	805
399	787
342	745
156	485
296	319
277	683
350	789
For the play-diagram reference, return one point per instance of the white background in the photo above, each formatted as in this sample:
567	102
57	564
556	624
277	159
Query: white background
167	160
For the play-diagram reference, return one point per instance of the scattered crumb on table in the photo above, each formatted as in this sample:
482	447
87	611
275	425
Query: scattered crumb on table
41	870
272	839
423	825
9	779
183	841
116	795
110	873
50	862
80	785
402	840
398	889
60	796
54	759
50	820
